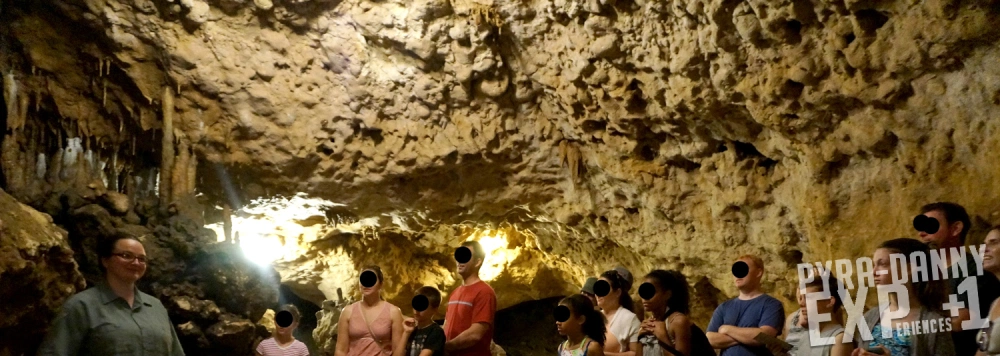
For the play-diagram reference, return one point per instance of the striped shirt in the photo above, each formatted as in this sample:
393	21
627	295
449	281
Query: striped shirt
270	347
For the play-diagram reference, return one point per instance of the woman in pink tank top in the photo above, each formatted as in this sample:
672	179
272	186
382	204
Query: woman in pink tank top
372	326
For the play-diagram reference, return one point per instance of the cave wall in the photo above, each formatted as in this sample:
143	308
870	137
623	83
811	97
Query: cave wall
652	134
37	274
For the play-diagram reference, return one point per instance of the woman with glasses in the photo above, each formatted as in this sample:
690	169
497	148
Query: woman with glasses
989	337
114	317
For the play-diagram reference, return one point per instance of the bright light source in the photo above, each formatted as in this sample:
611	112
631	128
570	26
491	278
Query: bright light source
261	250
270	230
498	257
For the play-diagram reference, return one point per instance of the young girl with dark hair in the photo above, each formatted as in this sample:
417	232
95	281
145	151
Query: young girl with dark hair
669	331
584	330
623	326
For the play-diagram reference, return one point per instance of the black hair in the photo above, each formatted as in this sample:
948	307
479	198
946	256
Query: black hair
826	279
477	249
931	294
376	269
676	283
433	295
617	282
593	325
952	213
106	247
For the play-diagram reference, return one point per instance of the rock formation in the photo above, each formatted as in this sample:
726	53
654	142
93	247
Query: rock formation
652	134
37	274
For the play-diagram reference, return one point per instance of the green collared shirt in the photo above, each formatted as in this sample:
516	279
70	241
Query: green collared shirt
99	322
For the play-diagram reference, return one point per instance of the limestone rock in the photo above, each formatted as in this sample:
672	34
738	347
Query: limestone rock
118	203
38	274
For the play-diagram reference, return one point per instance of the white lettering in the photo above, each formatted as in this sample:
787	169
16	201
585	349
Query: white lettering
902	302
865	269
977	253
957	257
939	270
919	261
856	314
976	320
844	272
898	268
805	274
815	318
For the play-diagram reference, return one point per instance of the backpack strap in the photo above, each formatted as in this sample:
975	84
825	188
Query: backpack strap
586	347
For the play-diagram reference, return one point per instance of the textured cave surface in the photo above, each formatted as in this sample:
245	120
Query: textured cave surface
651	134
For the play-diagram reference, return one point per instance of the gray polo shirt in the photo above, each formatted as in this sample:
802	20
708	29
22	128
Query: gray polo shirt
98	322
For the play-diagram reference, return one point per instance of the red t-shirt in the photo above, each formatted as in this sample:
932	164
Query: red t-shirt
467	305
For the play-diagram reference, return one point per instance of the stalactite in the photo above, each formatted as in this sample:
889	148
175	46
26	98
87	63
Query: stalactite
30	155
10	97
23	103
40	166
56	164
139	191
192	171
167	158
69	159
131	183
178	189
113	186
102	166
85	166
227	222
104	96
13	165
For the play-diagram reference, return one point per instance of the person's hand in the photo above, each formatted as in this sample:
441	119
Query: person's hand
862	352
409	324
724	329
659	329
646	327
804	319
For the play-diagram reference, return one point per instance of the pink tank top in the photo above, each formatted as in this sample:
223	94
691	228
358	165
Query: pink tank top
362	342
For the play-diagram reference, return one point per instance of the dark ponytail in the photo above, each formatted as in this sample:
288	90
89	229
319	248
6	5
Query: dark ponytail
618	282
593	325
676	283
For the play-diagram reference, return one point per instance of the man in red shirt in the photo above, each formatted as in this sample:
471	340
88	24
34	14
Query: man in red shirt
468	322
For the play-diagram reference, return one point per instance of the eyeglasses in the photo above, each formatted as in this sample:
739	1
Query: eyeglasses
984	338
129	257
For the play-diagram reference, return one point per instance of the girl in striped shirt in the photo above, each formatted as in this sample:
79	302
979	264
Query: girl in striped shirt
282	342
